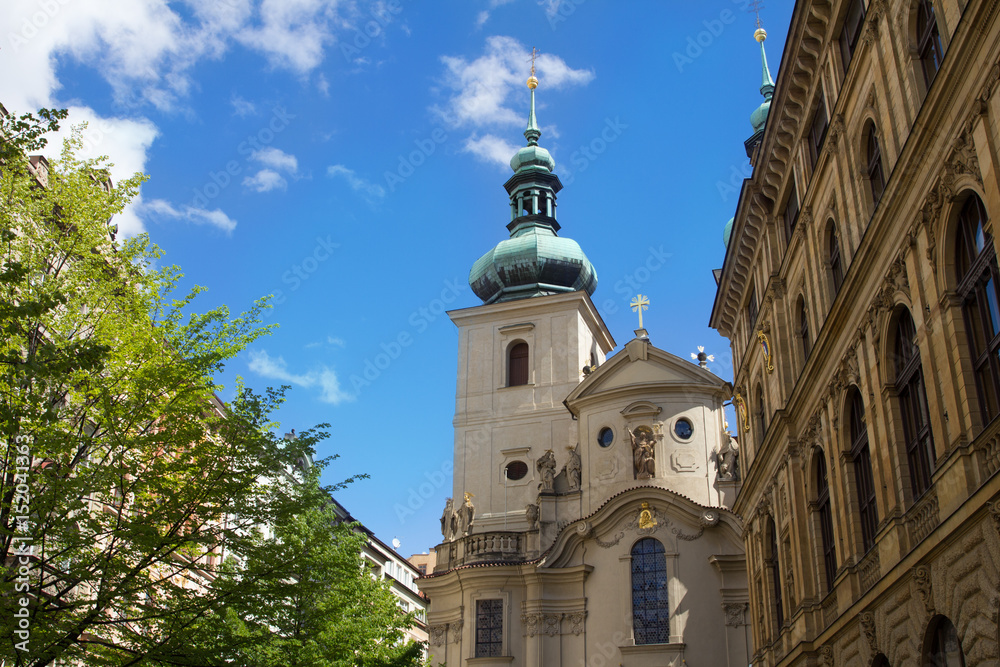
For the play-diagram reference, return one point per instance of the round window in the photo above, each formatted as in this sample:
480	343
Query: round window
516	470
683	429
605	437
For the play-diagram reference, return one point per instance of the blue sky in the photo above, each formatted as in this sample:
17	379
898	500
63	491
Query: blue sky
348	157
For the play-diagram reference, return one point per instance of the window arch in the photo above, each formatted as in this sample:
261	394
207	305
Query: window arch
864	480
804	330
835	259
943	645
517	364
874	171
650	610
979	288
913	405
775	571
929	51
825	514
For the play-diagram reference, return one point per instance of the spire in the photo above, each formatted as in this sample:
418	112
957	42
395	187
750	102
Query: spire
759	117
532	133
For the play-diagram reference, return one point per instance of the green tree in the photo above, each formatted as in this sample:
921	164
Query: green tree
126	483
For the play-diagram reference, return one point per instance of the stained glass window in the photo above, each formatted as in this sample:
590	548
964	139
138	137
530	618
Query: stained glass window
489	628
650	613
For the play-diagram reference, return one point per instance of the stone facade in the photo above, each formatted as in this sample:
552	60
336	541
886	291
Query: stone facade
871	496
570	476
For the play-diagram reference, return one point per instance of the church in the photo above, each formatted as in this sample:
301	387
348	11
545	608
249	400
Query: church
591	520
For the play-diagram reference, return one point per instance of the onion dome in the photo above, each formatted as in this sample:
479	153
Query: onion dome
534	261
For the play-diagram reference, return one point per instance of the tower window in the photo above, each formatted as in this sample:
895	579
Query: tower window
929	49
517	365
489	628
650	611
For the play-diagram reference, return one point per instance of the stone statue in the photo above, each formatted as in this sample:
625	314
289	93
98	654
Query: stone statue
531	514
643	452
466	515
547	469
727	460
574	469
447	529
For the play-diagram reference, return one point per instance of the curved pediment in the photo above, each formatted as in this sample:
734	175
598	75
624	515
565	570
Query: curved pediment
623	517
640	368
642	409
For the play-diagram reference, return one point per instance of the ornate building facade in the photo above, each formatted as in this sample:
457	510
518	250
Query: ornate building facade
591	522
860	295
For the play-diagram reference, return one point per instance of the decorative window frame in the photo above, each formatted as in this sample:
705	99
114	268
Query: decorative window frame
505	619
510	335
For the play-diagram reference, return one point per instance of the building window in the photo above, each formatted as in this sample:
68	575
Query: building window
913	406
929	49
516	470
804	330
605	437
864	480
489	628
876	176
422	568
825	520
775	571
752	309
851	32
760	416
945	647
979	287
517	366
836	263
818	130
791	210
650	612
684	429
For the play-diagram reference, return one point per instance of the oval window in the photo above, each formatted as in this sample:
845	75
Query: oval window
605	437
683	429
516	470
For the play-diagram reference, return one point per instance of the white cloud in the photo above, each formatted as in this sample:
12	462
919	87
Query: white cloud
199	216
324	378
484	15
242	107
357	183
276	159
265	180
483	88
490	148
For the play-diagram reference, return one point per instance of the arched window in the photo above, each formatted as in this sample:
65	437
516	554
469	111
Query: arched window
913	406
836	263
517	365
760	416
979	287
825	520
804	330
775	569
650	613
876	176
928	41
863	479
880	661
944	649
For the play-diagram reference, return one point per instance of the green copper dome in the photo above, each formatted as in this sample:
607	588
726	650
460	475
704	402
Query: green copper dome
727	232
534	261
759	117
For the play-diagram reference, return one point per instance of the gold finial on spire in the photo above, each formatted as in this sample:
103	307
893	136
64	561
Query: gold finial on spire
532	80
755	6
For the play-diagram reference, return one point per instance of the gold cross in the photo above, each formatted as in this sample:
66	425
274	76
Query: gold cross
534	52
755	6
640	303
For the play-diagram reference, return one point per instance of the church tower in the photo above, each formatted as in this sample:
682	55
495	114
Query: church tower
590	516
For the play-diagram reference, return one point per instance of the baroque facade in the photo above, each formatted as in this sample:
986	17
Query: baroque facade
860	296
591	520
